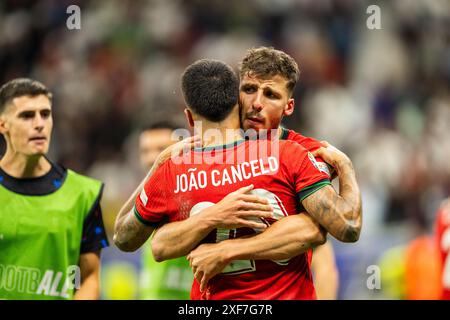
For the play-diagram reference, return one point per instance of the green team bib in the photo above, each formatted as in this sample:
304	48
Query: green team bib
40	239
168	280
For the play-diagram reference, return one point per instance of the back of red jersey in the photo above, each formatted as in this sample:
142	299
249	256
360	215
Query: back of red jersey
443	242
284	174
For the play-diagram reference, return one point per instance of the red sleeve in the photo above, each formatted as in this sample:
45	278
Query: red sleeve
311	145
154	203
304	169
308	143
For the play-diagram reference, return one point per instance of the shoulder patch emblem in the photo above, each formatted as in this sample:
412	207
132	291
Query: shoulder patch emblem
313	161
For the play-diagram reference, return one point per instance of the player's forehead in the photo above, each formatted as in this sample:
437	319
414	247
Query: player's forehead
276	81
29	104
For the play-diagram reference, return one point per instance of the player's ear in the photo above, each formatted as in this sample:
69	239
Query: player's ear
289	108
3	126
189	117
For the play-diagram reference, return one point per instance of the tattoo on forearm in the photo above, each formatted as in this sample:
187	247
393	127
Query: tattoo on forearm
341	214
131	231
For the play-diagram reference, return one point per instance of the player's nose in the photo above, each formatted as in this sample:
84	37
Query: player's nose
257	103
38	122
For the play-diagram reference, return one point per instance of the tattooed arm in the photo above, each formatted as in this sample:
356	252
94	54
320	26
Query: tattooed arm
340	214
129	232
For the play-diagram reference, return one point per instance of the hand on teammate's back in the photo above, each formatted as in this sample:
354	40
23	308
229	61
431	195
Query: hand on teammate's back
179	148
206	261
240	209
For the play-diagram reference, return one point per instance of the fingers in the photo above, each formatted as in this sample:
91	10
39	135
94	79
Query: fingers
198	274
196	141
253	198
202	279
192	138
321	150
255	215
318	152
190	143
244	223
204	283
248	206
329	147
244	189
194	268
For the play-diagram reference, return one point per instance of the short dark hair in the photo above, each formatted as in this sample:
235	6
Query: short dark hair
21	87
267	62
210	89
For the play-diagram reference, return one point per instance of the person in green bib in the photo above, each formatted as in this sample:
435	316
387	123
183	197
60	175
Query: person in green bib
171	279
51	227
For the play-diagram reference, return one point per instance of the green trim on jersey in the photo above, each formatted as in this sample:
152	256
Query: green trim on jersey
220	146
309	190
40	239
284	133
142	220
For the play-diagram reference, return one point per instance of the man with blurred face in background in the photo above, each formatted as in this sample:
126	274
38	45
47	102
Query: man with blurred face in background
152	141
51	227
170	279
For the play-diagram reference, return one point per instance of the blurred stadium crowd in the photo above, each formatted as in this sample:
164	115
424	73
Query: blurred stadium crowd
381	96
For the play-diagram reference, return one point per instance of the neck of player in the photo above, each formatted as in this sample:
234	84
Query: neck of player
24	166
218	136
221	133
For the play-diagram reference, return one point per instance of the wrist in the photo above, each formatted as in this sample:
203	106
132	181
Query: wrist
206	219
226	254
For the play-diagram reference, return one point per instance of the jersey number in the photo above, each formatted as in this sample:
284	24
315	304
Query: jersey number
243	266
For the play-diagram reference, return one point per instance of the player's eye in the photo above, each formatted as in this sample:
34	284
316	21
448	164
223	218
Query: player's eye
46	114
27	115
248	89
271	95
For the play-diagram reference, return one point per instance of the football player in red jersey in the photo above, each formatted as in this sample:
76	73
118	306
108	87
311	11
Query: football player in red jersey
261	279
267	81
268	78
443	242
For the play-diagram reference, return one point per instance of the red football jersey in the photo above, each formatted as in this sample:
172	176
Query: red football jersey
285	175
443	242
308	143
